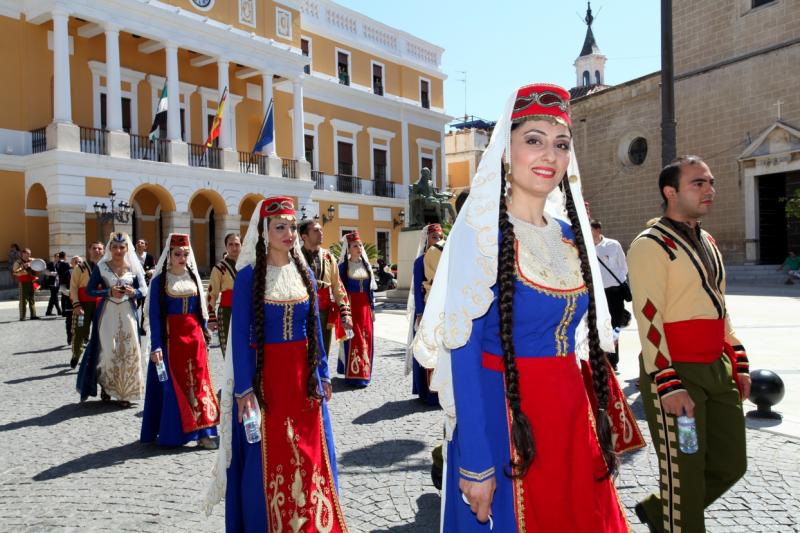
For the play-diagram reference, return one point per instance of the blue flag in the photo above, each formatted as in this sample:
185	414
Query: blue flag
267	133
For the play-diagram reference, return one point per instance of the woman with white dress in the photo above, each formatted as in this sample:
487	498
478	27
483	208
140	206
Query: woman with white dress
113	357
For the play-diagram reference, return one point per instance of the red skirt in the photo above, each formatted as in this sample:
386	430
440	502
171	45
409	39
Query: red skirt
564	489
188	370
359	356
298	481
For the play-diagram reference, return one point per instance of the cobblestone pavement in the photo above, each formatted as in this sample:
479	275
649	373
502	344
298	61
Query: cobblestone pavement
67	466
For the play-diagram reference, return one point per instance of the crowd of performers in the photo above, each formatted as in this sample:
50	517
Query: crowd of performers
509	334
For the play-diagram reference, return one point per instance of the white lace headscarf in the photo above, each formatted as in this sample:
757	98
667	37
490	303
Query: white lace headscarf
411	312
131	259
191	266
345	255
467	271
215	491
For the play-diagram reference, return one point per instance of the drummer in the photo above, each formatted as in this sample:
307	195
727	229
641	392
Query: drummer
26	278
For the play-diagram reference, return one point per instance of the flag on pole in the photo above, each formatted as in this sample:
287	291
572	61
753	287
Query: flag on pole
217	124
160	118
267	133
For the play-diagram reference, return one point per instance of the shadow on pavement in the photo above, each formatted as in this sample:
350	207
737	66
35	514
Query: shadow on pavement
393	410
385	454
52	367
110	457
62	414
340	385
426	519
61	372
58	348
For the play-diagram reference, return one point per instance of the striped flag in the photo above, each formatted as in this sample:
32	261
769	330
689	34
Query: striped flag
267	133
160	118
217	125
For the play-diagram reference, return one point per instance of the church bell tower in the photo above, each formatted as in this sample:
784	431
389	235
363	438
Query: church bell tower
591	64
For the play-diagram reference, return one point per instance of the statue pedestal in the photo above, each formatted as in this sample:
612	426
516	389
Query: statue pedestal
407	253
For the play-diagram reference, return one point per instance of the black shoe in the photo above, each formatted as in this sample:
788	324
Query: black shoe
436	476
48	314
642	515
36	318
73	362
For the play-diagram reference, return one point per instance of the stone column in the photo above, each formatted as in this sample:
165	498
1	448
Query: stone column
273	162
62	134
118	144
67	226
178	151
175	222
404	145
298	132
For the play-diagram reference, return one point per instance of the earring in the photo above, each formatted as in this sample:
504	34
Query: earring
509	182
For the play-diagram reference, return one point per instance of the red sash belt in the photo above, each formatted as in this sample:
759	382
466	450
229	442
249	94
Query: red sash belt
226	298
26	278
494	362
324	298
695	341
83	296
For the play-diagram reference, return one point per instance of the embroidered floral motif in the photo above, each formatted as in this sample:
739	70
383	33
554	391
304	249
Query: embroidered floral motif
120	371
323	507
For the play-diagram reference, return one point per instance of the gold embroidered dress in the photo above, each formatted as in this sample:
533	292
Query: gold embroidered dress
286	482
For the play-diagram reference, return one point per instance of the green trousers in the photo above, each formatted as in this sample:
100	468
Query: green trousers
223	326
80	334
26	299
691	482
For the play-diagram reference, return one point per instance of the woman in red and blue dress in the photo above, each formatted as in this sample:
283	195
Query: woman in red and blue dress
528	452
357	355
183	408
288	480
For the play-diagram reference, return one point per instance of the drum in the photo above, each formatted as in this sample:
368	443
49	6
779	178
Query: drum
38	265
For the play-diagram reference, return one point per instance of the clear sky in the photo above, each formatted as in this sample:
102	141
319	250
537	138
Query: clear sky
503	44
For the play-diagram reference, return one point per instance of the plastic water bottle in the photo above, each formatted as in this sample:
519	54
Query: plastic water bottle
80	321
161	369
252	425
687	434
348	333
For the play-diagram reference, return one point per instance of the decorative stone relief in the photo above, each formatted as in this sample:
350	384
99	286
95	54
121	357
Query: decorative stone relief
247	12
283	23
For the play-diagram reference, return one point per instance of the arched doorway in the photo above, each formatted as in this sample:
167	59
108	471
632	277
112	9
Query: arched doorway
150	202
246	208
204	208
37	223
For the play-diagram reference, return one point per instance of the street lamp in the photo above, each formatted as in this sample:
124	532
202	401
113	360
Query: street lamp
329	217
120	212
400	220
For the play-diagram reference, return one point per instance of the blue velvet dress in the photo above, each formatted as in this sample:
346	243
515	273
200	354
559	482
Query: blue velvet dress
161	420
561	491
420	375
285	335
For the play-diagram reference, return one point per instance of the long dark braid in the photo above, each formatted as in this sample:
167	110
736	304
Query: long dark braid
311	327
596	354
199	311
521	431
259	287
162	303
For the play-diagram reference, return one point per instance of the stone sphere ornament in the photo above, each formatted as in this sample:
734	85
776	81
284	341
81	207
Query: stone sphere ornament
766	390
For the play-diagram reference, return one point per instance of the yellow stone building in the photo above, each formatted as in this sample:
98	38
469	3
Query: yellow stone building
83	80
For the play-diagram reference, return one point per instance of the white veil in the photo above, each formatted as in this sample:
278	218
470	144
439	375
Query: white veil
462	288
410	308
159	268
215	492
130	257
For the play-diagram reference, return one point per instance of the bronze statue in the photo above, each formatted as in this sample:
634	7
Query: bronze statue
426	206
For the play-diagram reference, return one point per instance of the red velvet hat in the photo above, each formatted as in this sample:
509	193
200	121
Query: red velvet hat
277	205
179	240
352	237
434	228
542	100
